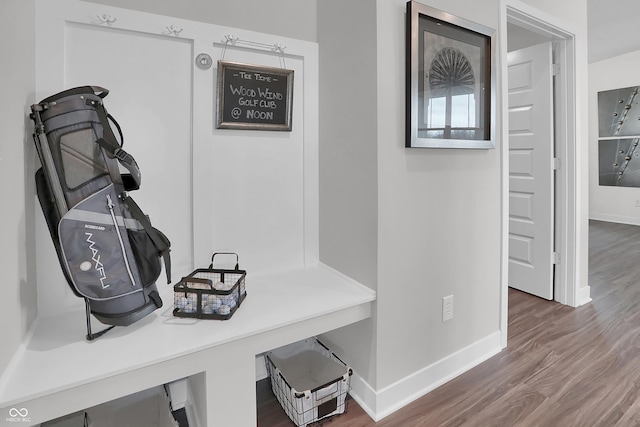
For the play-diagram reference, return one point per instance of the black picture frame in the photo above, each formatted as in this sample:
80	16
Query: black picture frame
450	81
254	97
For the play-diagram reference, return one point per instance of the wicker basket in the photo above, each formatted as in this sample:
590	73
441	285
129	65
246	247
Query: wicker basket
310	382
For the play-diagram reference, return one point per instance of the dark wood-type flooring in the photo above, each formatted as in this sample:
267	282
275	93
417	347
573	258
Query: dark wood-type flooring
562	366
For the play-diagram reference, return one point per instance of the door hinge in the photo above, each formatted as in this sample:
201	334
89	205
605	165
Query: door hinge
555	69
556	163
556	258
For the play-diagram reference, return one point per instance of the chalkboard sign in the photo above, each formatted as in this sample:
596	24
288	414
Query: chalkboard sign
254	97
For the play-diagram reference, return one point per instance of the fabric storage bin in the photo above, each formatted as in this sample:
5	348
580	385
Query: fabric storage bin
310	382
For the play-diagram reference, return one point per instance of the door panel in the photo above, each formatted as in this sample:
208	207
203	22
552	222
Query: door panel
531	194
150	97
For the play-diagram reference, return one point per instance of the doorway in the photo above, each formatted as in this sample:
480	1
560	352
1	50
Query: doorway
523	24
531	166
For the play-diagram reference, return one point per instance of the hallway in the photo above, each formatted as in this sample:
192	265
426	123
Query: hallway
562	367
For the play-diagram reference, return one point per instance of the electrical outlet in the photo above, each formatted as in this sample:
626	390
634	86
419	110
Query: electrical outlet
637	203
447	308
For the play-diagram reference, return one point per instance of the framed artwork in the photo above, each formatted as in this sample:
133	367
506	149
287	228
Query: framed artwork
450	99
254	97
619	137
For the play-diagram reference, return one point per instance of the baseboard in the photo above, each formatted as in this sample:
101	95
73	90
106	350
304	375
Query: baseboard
583	296
364	395
381	403
614	218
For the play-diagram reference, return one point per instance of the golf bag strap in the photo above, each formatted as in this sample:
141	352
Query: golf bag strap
132	180
114	149
159	241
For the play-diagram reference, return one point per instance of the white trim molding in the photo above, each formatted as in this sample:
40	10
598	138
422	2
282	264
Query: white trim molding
569	239
381	403
614	218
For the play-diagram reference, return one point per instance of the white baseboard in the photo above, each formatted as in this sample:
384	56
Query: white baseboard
364	395
381	403
614	218
583	296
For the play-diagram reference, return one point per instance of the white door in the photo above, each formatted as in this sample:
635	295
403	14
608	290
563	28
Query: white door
531	170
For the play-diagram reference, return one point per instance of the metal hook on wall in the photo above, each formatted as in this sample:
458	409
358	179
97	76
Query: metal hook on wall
277	47
174	30
105	18
230	39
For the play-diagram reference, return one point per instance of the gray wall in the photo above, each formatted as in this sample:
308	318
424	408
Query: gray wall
414	224
349	159
17	70
439	212
519	38
439	221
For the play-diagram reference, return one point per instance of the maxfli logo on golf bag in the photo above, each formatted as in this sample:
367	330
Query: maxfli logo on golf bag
108	250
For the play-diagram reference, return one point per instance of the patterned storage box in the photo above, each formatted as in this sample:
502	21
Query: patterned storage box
210	293
310	382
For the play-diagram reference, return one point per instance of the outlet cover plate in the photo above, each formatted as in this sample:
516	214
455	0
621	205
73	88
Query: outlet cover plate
447	308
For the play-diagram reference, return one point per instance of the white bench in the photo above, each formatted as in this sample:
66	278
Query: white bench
56	372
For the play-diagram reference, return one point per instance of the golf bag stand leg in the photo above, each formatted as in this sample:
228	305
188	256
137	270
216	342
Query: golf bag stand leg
90	335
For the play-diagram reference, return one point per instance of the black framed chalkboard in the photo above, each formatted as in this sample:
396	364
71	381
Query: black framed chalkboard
254	97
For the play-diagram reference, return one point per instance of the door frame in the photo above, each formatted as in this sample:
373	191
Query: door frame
566	122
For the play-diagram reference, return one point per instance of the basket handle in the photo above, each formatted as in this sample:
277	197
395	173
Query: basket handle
237	267
183	285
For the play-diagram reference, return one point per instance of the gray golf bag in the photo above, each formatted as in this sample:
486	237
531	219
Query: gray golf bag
108	250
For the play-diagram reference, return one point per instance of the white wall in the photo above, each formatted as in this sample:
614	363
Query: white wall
617	204
289	18
17	72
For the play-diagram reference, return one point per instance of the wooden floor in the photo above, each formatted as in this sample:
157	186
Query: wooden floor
562	367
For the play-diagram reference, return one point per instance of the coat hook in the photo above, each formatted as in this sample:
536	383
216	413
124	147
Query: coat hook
277	47
105	18
174	30
230	38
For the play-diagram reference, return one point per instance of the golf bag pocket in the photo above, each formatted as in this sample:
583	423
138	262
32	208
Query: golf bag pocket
96	248
143	249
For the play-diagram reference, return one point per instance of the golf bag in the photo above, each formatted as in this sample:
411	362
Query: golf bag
108	250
